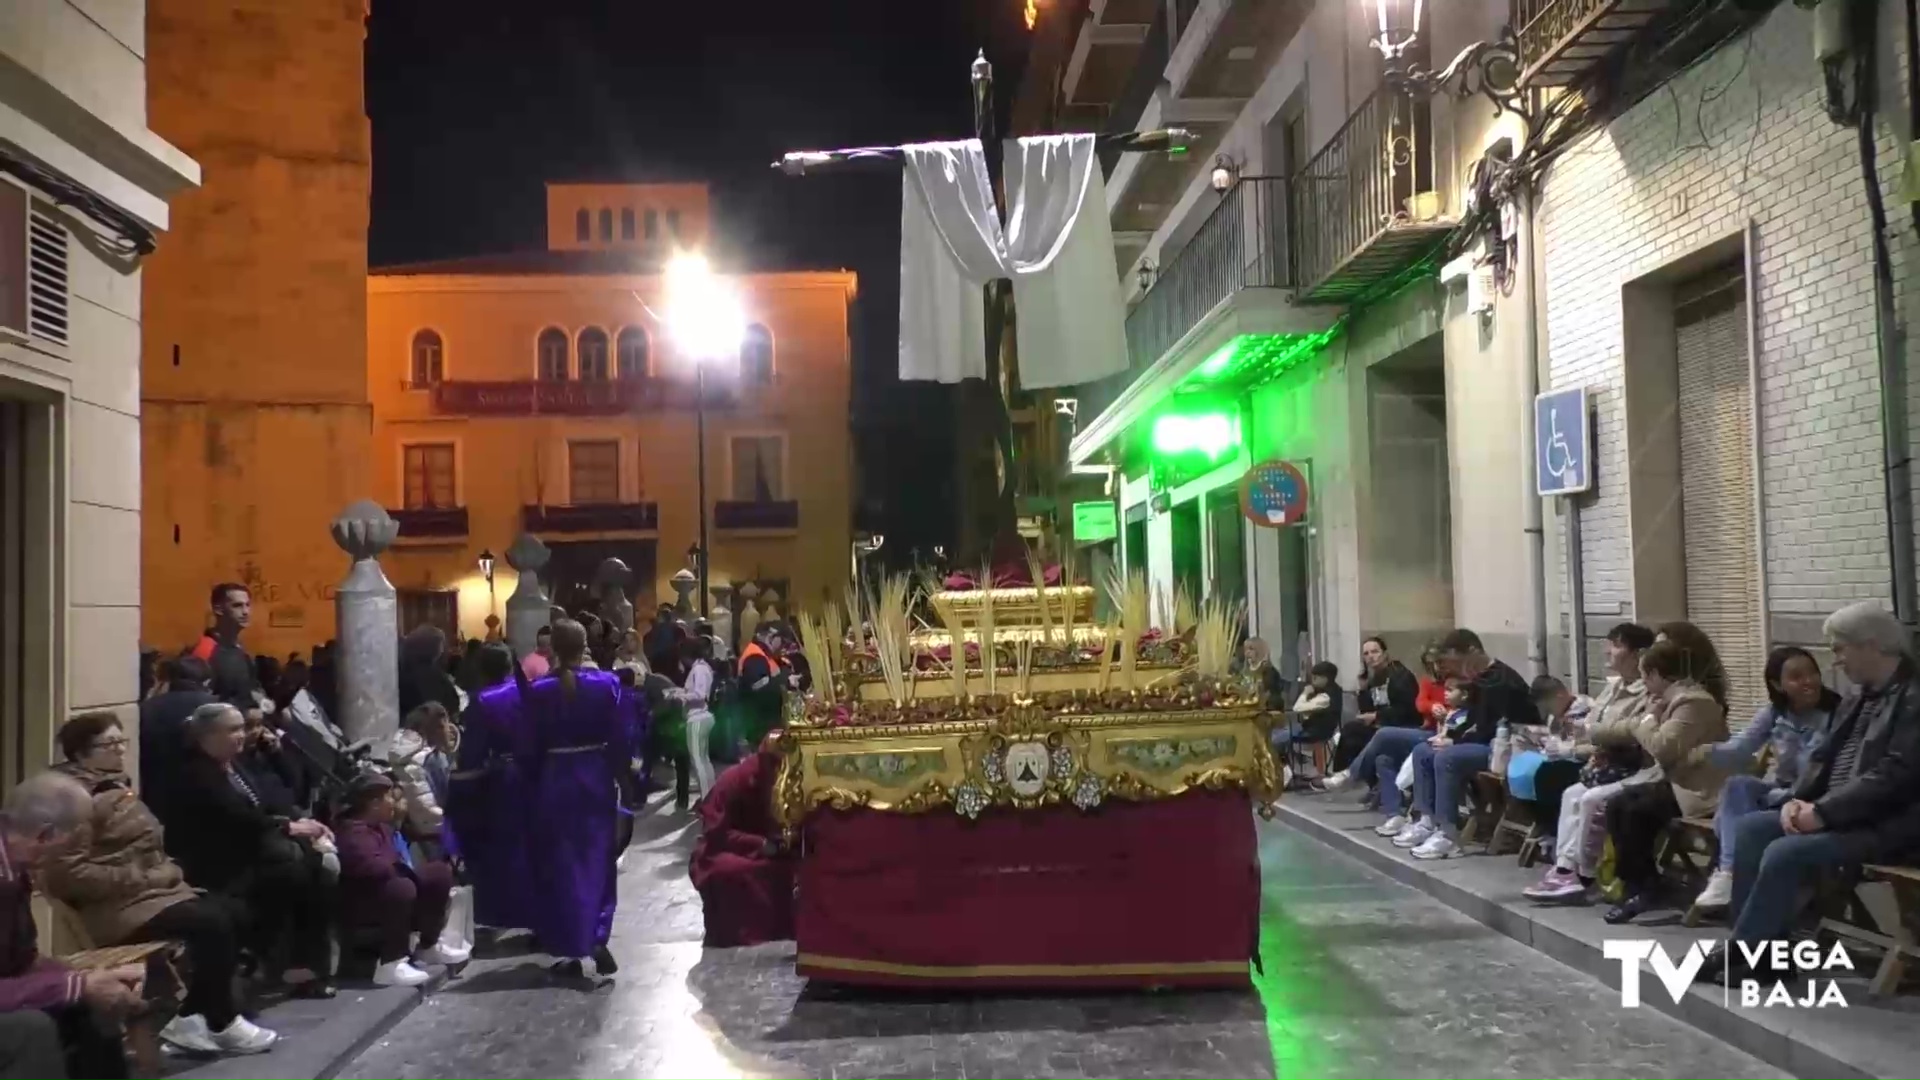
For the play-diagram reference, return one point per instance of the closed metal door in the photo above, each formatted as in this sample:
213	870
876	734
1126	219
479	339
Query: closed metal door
1718	489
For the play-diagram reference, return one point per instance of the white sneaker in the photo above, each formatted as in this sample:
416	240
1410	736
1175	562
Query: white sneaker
1393	826
243	1036
190	1033
1718	893
1437	846
1415	834
399	973
1286	777
1333	783
443	954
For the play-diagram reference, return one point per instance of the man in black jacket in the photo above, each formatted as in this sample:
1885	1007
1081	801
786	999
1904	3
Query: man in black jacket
233	680
1858	798
1443	764
163	726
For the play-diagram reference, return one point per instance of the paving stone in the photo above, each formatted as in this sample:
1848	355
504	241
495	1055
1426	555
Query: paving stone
1364	977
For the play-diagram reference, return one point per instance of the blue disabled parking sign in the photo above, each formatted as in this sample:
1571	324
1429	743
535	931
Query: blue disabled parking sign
1562	442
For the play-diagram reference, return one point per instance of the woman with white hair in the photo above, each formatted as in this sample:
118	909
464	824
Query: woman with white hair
1858	798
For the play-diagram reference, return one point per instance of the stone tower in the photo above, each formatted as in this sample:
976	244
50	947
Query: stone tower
256	425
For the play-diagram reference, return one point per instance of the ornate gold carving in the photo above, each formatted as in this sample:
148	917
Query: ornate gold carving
962	764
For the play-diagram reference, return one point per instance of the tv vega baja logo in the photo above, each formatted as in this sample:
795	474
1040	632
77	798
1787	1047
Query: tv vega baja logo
1803	958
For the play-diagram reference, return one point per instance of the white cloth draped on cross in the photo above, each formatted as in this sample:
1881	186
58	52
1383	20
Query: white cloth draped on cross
1057	247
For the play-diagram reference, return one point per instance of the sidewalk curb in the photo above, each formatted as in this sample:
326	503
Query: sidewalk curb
1516	921
302	1055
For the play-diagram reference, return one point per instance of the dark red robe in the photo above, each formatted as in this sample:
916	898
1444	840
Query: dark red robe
746	888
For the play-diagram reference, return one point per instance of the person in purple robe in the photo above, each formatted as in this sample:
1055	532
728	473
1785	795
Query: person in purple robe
488	792
583	731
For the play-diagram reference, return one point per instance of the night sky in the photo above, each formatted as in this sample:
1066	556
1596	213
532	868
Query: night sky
476	103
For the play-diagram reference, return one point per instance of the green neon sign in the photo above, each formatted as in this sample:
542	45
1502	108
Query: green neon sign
1210	434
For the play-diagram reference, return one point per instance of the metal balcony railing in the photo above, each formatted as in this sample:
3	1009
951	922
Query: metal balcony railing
1562	39
1366	202
433	522
1243	244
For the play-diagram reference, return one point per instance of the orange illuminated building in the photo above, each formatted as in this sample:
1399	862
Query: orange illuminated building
540	392
255	424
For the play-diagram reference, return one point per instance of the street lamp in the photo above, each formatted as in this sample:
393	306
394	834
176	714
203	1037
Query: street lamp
707	324
486	571
1399	28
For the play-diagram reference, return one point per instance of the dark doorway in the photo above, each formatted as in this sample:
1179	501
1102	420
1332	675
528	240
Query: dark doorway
1135	538
430	607
1186	548
569	573
1226	527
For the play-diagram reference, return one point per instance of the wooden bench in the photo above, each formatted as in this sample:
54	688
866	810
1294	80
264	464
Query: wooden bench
1882	910
1688	856
143	1027
1487	800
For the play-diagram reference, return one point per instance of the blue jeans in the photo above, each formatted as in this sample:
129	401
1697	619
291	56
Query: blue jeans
1768	869
1382	757
1282	736
1742	796
1440	775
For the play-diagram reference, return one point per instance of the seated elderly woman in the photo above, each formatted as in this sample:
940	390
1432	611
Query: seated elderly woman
231	833
116	875
1857	799
385	891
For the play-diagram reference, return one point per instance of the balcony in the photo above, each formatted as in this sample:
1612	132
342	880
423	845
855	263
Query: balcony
1366	202
1562	40
761	514
592	518
1218	317
432	523
529	397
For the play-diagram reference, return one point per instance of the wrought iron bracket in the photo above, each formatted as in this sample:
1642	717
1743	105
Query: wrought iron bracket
1489	69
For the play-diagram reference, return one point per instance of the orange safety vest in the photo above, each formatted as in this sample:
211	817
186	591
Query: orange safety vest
774	663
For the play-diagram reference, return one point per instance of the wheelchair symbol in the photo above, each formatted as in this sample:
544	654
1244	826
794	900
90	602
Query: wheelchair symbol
1560	461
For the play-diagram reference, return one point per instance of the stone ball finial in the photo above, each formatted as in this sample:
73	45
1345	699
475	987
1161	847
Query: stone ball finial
682	574
749	591
528	554
610	572
364	529
770	597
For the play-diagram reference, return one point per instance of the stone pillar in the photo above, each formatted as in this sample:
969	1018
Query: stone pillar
683	583
749	614
722	618
527	607
368	662
610	582
770	606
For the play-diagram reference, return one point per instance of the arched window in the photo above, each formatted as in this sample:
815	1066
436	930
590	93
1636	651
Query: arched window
582	225
626	223
552	352
593	355
428	359
606	225
756	355
633	349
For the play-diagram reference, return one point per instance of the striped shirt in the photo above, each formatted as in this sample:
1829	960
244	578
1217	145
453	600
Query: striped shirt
1846	756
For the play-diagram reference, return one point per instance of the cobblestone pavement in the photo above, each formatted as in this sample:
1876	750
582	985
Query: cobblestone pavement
1364	978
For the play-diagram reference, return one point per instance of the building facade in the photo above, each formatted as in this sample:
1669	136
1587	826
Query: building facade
84	189
254	368
541	393
1314	284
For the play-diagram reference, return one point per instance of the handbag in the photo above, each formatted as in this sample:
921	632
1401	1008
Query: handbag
1404	781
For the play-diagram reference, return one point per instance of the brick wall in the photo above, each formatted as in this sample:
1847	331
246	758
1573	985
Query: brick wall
1743	135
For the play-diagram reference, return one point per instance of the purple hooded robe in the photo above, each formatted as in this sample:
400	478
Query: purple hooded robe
490	788
585	746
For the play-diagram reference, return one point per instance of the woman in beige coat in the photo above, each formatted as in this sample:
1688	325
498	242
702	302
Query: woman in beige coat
1684	722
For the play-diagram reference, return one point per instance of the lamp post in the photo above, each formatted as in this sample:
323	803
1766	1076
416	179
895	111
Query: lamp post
705	320
486	571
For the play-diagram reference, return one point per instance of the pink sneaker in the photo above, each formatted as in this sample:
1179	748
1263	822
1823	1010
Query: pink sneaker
1558	884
